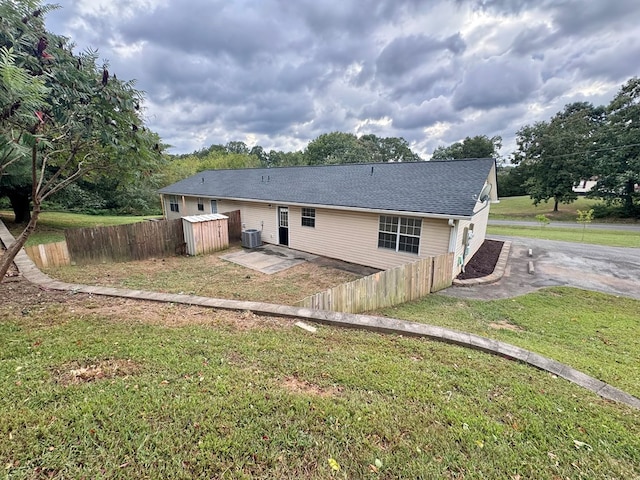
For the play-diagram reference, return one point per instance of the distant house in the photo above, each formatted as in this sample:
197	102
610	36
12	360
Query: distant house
380	215
585	186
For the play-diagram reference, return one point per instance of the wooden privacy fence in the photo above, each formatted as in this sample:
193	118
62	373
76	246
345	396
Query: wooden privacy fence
49	254
135	241
235	225
384	289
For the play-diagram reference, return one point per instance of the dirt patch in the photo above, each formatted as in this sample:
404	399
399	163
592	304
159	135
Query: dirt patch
359	270
296	385
504	325
41	307
75	373
483	261
209	276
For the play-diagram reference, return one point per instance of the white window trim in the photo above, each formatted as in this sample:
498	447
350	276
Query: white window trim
174	204
311	217
398	233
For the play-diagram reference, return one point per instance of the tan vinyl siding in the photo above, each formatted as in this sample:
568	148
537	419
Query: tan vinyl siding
341	234
259	216
353	237
189	206
479	220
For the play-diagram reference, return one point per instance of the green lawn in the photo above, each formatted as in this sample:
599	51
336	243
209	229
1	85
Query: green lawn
219	401
522	208
51	225
593	332
613	238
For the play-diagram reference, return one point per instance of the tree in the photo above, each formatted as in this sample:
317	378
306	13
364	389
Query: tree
237	147
554	155
261	155
87	122
286	159
618	165
511	180
340	147
585	217
334	148
20	95
388	149
479	146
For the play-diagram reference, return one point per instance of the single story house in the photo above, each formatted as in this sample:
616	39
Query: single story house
380	215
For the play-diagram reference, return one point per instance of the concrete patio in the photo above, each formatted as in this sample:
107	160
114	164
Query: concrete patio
269	259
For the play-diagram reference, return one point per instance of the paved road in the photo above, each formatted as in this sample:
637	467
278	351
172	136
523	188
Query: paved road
613	270
598	226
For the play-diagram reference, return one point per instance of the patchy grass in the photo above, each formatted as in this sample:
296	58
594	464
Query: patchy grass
210	399
593	332
209	276
51	225
612	238
522	208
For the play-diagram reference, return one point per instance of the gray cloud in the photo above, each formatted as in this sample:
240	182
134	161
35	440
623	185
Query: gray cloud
280	73
424	115
497	82
404	54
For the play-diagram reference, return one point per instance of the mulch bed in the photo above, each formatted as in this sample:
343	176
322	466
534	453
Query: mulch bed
484	261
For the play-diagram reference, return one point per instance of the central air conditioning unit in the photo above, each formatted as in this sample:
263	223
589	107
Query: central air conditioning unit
251	238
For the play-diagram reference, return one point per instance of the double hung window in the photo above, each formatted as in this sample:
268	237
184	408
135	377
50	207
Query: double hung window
173	203
308	217
401	234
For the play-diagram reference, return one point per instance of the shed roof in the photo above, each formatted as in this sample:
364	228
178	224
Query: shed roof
204	218
435	187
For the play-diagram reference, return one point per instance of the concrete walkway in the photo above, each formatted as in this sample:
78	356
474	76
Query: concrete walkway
379	324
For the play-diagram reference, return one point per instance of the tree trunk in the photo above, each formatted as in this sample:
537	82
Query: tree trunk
20	203
628	197
555	205
12	250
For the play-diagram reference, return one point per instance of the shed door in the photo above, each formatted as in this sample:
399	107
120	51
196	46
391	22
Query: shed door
283	225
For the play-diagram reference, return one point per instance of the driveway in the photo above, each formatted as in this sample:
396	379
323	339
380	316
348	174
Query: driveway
613	270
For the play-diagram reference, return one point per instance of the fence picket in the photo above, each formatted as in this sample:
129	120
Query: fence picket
135	241
384	289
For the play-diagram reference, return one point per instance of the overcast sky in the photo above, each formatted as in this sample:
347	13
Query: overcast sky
278	73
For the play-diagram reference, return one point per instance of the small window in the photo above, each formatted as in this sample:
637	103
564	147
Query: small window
200	205
400	234
309	217
214	206
173	203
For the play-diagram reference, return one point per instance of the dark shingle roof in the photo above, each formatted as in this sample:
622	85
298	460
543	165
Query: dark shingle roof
446	188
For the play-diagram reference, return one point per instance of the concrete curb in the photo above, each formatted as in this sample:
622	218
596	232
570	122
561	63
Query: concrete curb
497	274
347	320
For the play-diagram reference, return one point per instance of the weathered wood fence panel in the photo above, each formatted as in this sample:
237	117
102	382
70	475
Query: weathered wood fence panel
234	225
49	254
384	289
442	272
135	241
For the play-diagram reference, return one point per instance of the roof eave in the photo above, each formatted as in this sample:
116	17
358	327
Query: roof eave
444	216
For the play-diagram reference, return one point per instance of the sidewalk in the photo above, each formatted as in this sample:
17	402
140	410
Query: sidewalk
379	324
